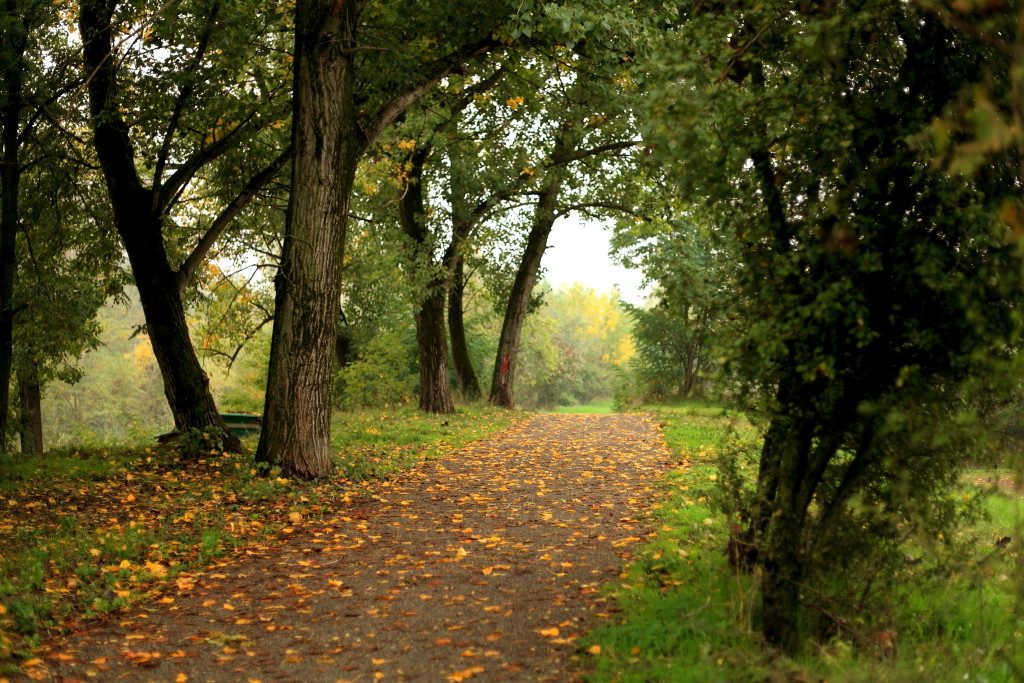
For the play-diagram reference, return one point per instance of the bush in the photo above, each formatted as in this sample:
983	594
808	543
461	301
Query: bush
381	377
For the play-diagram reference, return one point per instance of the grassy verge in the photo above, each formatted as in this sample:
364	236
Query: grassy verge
685	616
594	407
87	532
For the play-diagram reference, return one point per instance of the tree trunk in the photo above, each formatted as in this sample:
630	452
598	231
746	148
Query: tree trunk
186	385
465	373
503	378
342	343
12	56
780	585
138	219
327	145
435	388
30	395
431	339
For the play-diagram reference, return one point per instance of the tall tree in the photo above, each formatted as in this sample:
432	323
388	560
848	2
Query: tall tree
198	117
587	131
435	387
17	20
872	285
358	67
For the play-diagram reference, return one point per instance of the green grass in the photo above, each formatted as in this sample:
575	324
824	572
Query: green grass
685	616
86	532
374	444
595	407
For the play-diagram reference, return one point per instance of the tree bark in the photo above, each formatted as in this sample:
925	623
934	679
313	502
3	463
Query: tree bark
465	374
138	219
30	395
464	219
780	585
503	379
431	338
327	145
12	56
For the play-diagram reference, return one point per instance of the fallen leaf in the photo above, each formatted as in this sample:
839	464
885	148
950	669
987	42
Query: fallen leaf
465	674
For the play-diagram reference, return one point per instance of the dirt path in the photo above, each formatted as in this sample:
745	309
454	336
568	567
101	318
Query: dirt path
485	565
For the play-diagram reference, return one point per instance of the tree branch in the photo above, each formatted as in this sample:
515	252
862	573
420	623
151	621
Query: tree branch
183	96
183	176
561	160
188	269
394	109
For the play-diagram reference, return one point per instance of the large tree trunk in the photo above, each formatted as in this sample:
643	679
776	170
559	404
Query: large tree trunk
138	220
186	385
431	339
503	379
327	145
30	395
12	56
465	373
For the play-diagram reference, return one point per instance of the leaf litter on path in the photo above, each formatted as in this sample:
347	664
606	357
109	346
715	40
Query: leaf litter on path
483	565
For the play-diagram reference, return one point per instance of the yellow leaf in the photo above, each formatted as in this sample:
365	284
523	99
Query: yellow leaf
94	552
156	569
465	674
549	632
181	678
35	661
294	517
125	564
594	649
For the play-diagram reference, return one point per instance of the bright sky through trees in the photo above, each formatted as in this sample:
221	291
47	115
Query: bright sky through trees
578	252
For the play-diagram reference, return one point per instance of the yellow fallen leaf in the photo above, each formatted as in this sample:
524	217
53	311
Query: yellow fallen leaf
549	632
594	649
181	678
156	569
35	661
94	552
465	674
294	517
167	600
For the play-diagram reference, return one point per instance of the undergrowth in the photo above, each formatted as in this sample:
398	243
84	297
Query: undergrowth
686	616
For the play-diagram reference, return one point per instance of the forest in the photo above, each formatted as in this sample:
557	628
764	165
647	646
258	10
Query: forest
286	391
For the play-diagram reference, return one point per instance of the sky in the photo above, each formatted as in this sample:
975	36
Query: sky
578	252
